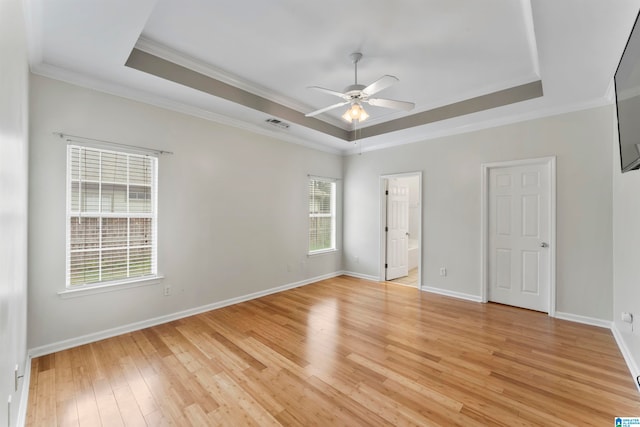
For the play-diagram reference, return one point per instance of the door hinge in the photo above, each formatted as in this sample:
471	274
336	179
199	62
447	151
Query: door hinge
386	229
386	192
386	266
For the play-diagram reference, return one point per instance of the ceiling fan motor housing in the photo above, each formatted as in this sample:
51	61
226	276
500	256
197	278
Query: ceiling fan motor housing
354	91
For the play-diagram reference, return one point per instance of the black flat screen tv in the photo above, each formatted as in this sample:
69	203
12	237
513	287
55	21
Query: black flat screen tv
627	90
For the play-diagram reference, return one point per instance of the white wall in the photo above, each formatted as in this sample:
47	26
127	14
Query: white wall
451	169
14	97
232	211
626	256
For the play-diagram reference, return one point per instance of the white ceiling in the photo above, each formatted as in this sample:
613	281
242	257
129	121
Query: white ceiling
443	52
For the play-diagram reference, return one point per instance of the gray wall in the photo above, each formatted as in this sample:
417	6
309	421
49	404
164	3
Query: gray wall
232	211
451	202
14	97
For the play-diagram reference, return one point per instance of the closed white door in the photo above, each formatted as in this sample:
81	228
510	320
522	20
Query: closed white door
397	229
519	232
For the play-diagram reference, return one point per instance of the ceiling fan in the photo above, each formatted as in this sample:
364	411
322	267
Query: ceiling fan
355	95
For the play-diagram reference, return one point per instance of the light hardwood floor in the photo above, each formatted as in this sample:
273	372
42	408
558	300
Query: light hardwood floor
342	351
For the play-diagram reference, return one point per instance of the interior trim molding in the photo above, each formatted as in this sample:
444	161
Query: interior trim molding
626	353
136	95
453	294
488	101
586	320
463	128
484	227
382	234
202	81
131	327
164	69
172	55
361	276
56	73
24	394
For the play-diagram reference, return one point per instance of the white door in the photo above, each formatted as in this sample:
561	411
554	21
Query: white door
397	229
519	232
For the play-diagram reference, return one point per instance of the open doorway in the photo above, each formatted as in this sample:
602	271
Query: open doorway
401	231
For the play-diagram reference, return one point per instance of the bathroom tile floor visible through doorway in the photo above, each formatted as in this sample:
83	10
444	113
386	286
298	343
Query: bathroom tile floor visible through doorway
410	280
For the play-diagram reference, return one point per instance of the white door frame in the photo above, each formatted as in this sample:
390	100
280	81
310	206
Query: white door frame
484	239
383	221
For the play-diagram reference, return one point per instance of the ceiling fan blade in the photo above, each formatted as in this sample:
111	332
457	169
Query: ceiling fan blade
380	84
322	110
390	103
329	91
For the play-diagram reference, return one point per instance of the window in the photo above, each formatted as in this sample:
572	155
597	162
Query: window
322	215
111	216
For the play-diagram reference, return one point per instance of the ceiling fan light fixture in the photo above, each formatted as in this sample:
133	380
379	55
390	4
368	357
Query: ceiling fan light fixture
363	115
355	112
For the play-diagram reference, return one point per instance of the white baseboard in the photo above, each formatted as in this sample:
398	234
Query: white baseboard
454	294
24	395
97	336
627	354
584	319
361	276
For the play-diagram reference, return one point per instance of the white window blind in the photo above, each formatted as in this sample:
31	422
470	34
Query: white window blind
322	215
111	216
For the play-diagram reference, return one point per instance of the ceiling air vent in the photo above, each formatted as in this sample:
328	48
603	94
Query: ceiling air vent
278	123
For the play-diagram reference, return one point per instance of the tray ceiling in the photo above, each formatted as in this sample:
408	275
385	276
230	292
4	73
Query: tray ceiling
465	64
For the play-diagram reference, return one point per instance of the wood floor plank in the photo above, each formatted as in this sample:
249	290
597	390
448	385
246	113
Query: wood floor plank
128	407
342	351
107	405
66	407
45	414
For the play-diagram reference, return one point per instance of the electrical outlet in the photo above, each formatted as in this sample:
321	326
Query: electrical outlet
167	290
443	271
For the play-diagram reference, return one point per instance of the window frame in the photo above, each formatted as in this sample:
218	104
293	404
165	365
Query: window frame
333	215
120	283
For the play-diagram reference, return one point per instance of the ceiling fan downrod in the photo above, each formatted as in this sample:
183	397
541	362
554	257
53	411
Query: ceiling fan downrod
355	58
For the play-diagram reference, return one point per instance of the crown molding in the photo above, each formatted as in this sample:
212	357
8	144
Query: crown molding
351	148
110	88
172	55
481	125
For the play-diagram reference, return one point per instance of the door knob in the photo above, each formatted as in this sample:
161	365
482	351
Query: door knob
544	245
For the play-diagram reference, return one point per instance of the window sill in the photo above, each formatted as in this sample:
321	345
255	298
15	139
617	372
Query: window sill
322	252
110	287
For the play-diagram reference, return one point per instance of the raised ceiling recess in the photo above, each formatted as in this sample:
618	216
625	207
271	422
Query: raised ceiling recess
464	64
